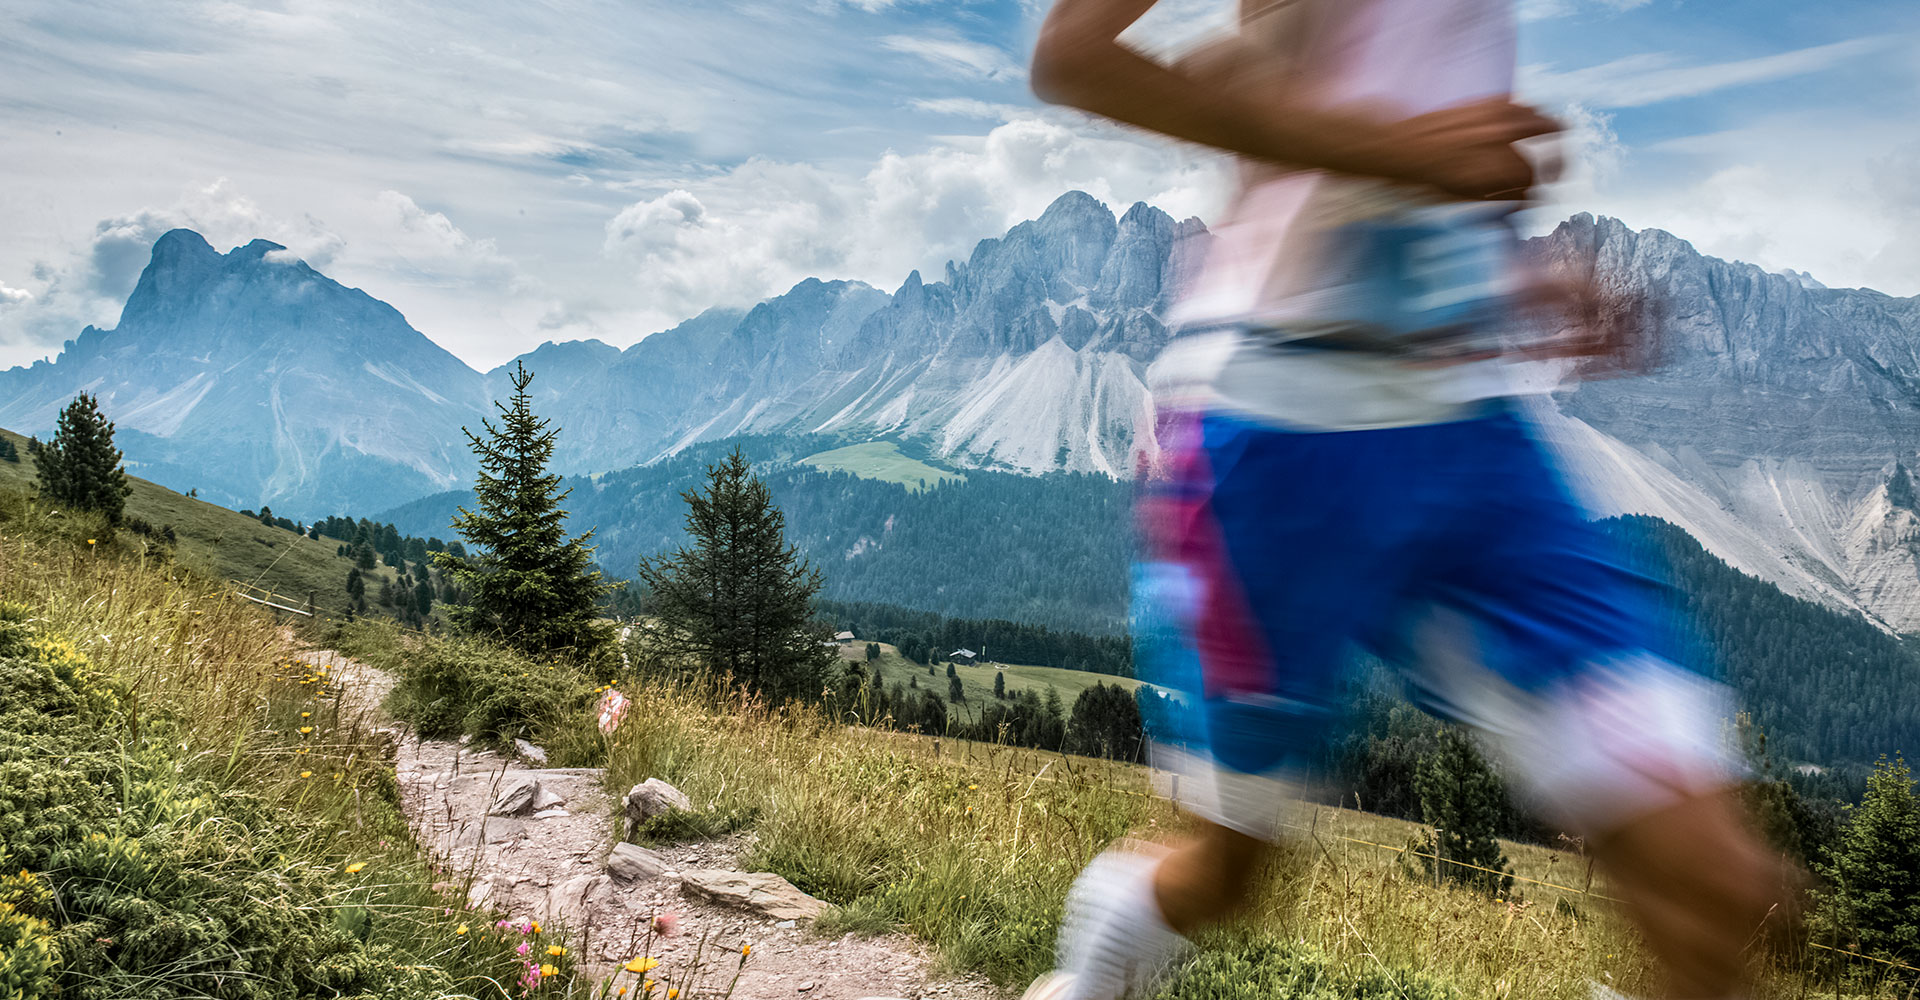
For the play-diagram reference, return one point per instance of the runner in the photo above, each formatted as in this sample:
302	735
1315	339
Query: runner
1343	462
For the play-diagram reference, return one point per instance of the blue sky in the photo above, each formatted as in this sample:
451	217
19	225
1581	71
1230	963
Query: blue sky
512	173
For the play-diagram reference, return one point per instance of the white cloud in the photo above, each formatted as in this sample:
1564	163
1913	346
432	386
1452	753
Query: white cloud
13	296
971	60
754	231
968	107
1652	77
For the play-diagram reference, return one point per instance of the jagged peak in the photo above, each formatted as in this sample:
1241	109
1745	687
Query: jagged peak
255	249
1143	214
176	244
1075	202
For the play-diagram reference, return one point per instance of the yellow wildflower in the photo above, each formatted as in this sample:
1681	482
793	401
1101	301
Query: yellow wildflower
643	964
534	926
549	970
647	987
89	541
354	869
673	993
304	730
462	929
306	774
745	950
556	951
304	715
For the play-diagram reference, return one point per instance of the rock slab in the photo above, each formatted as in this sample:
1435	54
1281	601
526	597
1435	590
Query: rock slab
763	892
516	797
629	862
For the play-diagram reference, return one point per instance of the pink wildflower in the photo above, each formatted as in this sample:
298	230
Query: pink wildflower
522	949
664	924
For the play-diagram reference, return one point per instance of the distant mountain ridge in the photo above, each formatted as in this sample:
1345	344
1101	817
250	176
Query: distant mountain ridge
257	380
1778	433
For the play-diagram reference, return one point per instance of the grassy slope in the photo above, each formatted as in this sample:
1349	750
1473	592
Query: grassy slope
978	680
226	545
880	460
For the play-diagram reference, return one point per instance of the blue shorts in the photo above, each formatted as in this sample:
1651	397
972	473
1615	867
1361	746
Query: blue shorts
1269	554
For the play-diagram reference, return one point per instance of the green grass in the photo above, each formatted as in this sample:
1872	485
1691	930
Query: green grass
881	460
195	813
227	545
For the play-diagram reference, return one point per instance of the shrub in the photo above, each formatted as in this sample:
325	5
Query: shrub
461	685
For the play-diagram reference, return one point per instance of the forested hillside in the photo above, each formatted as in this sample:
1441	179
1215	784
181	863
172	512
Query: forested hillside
1049	550
1827	686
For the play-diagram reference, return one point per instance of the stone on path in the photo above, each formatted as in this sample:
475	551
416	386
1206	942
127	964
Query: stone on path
762	891
629	862
531	752
517	797
651	798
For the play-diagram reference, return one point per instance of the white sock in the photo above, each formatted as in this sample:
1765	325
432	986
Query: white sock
1115	941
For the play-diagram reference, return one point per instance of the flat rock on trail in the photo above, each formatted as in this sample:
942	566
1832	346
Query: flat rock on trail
553	869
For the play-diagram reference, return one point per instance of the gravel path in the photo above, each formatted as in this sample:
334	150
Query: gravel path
551	867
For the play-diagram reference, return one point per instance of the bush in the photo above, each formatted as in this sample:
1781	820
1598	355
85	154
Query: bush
466	686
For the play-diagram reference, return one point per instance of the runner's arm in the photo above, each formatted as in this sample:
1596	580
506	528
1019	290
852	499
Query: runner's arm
1466	151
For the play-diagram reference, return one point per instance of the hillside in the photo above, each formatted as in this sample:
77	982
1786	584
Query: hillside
228	545
1049	550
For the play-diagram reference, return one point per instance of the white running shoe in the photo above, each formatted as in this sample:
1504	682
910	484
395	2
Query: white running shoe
1114	943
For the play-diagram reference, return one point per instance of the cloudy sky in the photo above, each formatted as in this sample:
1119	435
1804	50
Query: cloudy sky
508	173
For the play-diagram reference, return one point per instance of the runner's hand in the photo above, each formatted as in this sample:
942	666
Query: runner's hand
1466	151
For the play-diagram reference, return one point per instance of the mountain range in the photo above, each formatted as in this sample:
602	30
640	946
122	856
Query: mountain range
1779	431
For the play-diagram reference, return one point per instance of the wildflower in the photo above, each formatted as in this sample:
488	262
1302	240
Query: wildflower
533	926
640	965
354	869
304	730
304	715
306	774
664	924
556	951
522	949
623	991
549	970
89	541
673	993
745	950
301	750
972	787
647	987
462	929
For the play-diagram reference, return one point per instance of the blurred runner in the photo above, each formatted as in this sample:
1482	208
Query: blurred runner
1343	462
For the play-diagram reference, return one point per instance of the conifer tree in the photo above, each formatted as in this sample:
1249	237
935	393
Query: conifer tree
740	599
356	587
80	468
1462	798
956	691
1871	902
8	453
526	581
999	684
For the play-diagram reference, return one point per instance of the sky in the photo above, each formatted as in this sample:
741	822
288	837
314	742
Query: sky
511	173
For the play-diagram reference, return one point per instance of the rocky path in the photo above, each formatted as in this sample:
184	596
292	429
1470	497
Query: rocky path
547	860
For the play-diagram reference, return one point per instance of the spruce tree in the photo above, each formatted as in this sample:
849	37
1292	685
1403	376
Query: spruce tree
1871	902
1462	798
956	691
999	684
526	582
8	453
80	468
356	587
739	601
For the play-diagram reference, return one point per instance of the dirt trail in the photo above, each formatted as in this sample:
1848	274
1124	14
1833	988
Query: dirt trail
551	867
